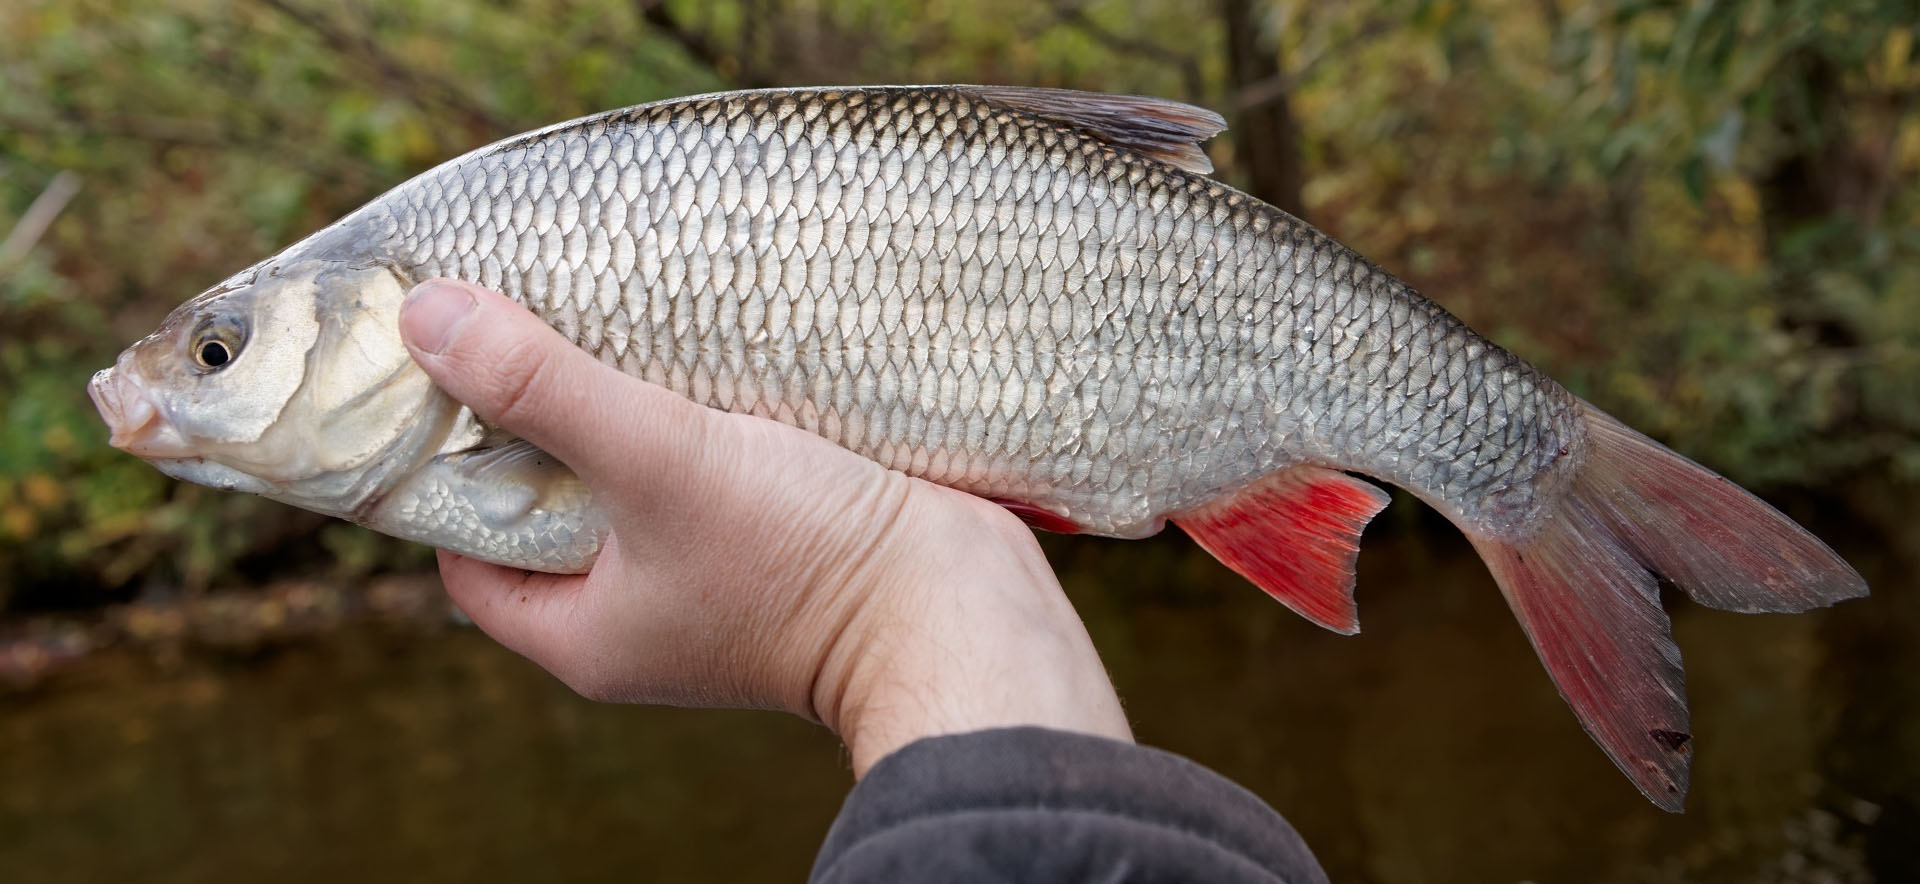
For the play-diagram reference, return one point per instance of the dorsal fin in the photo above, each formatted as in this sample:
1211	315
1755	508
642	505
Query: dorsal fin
1168	131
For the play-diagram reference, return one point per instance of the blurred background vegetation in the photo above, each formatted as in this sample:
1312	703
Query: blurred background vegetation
1700	215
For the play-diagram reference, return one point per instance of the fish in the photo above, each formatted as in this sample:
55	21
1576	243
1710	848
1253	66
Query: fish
1036	296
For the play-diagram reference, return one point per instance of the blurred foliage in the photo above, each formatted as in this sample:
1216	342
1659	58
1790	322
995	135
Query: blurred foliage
1701	215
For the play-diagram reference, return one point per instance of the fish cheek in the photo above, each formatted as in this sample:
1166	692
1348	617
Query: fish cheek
365	392
364	412
235	407
384	424
344	387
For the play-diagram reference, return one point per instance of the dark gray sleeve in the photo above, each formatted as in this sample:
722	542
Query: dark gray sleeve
1035	805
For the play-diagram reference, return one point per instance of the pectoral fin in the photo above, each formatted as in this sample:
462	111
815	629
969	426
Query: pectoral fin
511	504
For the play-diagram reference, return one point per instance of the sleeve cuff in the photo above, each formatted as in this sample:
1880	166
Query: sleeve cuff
1030	804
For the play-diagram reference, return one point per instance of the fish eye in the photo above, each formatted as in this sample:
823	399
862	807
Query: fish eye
213	354
216	344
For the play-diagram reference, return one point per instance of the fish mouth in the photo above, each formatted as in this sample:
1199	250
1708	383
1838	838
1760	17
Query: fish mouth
136	421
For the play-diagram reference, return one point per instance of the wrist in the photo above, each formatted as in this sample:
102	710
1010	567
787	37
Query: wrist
964	629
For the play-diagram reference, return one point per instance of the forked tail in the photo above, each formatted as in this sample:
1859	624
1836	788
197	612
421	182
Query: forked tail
1583	584
1583	578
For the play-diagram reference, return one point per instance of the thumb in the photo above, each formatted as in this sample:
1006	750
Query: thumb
514	370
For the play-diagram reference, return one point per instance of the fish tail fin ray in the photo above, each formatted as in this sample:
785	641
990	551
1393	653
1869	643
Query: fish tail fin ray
1721	545
1582	581
1295	533
1594	617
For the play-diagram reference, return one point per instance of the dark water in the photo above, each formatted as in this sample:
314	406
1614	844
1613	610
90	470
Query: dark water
1431	748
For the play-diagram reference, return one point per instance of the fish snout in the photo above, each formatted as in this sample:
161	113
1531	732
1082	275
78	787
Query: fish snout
138	426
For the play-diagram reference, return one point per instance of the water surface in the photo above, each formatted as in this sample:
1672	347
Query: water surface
1431	748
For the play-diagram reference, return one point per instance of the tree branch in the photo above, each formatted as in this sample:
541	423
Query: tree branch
39	216
159	130
700	46
1073	14
1265	136
280	139
418	86
1279	85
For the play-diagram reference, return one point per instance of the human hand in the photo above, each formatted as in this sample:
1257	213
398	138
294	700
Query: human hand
753	564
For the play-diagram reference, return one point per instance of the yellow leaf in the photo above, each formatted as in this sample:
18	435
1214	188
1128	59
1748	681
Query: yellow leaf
42	491
58	439
18	521
1896	55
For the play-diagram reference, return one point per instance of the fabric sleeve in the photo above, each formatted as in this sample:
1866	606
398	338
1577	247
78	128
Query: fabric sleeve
1036	805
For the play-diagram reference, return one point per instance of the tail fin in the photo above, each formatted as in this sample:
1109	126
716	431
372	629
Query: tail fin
1724	547
1582	585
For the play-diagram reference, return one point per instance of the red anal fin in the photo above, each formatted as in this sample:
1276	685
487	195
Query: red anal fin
1295	534
1036	517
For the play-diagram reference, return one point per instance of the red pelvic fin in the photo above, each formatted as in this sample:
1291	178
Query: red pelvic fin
1295	534
1045	520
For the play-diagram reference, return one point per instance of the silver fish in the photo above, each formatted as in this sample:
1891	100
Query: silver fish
1032	295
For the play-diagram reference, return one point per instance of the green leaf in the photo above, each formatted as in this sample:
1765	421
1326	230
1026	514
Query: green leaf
1693	173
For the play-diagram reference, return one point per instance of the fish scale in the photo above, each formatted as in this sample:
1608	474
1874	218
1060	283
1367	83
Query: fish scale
1032	295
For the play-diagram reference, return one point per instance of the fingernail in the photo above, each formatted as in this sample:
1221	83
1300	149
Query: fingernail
433	313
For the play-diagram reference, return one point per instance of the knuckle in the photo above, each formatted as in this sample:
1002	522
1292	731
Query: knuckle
521	371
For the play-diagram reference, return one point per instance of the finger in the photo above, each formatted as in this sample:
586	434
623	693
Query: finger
526	611
514	370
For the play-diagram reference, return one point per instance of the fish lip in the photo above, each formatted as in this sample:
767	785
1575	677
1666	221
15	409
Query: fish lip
137	423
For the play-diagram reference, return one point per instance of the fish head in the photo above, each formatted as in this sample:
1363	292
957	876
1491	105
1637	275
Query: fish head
288	380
